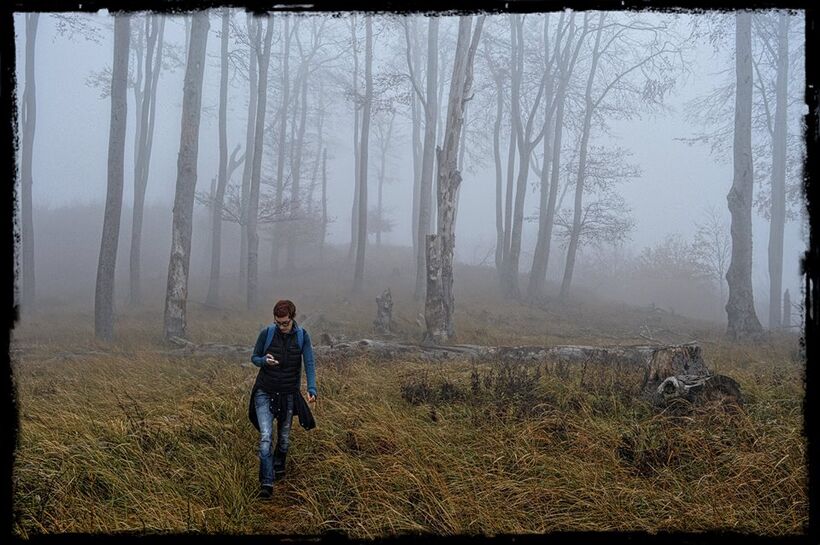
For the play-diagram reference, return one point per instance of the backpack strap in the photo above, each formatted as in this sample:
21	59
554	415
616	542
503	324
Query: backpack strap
300	337
269	338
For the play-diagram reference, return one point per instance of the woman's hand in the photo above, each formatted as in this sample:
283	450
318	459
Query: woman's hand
270	360
311	398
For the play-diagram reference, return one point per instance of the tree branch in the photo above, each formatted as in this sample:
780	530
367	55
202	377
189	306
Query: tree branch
410	66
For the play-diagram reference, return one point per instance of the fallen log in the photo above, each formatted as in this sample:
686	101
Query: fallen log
184	346
662	374
659	361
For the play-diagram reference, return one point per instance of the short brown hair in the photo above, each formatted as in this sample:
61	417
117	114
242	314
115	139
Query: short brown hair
284	307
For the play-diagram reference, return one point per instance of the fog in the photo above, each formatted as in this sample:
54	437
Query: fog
676	183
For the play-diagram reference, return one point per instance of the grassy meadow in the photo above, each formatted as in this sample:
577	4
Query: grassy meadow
120	436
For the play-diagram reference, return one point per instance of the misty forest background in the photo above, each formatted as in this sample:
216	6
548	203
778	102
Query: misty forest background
545	225
513	179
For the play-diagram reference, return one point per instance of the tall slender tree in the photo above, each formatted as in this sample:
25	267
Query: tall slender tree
497	74
29	119
104	292
510	173
742	318
321	112
777	63
176	296
250	131
319	167
589	106
525	143
361	236
296	168
430	105
652	62
778	205
146	114
323	234
306	57
384	129
354	214
414	63
222	180
440	299
551	179
138	45
287	36
262	59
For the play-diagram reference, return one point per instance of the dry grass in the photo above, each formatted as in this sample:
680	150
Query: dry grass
120	438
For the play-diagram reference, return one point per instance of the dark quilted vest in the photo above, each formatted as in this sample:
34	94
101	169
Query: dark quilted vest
285	376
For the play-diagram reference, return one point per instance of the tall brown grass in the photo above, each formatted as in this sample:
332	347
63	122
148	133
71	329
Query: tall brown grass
123	437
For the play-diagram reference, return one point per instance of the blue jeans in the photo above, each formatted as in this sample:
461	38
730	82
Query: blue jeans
272	462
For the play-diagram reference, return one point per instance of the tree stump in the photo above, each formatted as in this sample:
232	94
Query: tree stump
384	313
680	360
697	389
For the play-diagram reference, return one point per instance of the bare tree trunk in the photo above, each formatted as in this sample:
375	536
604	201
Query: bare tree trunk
320	143
575	234
358	277
415	136
508	201
742	319
262	59
296	171
152	113
324	207
187	20
440	300
384	147
222	181
787	310
522	132
283	132
29	119
442	61
778	210
104	292
538	273
426	185
434	317
137	45
507	282
415	108
354	214
549	219
380	199
461	149
546	218
499	200
509	278
249	147
176	297
143	44
538	270
146	114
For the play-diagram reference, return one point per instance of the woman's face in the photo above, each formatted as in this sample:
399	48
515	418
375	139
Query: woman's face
284	323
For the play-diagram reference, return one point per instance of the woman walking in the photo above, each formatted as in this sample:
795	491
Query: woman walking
279	353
